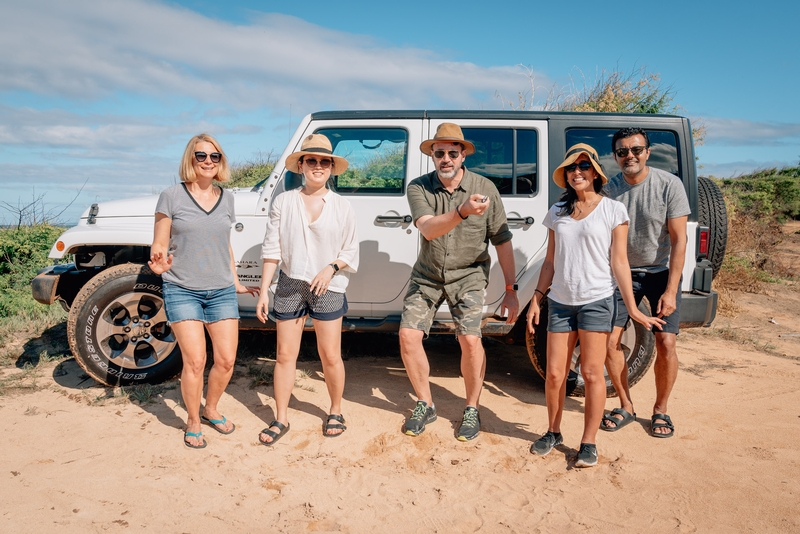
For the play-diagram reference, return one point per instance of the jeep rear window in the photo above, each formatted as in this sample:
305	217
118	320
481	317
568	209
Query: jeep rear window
663	148
377	159
506	156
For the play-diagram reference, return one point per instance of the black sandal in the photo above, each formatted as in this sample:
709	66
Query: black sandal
274	435
666	424
327	425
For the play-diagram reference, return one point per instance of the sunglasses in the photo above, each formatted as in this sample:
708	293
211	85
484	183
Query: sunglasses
440	154
583	165
312	162
622	152
201	156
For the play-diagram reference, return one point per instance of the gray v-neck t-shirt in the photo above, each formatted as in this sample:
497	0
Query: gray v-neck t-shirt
200	240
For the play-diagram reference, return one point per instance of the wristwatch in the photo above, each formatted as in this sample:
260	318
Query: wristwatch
335	267
512	287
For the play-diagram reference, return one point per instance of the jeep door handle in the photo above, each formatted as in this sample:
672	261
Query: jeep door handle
520	220
392	220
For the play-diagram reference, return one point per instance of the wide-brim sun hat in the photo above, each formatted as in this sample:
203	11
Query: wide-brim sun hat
447	132
316	145
573	154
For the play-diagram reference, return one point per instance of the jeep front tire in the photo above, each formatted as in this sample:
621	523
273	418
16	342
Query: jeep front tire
117	328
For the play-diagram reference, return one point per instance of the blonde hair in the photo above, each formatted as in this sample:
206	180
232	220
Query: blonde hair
186	171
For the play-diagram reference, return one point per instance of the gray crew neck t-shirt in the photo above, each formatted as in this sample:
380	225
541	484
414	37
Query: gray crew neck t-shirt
659	197
200	240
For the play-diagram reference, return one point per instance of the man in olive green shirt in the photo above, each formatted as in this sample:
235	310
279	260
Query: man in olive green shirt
457	212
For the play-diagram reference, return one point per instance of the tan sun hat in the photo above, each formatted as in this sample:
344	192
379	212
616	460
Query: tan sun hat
316	145
574	153
447	132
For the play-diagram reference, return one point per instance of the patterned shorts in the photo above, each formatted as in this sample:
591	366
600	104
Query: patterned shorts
422	302
294	299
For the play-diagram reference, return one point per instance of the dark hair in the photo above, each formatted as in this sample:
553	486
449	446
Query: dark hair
569	196
629	132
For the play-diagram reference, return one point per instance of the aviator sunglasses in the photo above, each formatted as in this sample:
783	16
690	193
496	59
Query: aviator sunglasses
440	154
312	162
622	152
201	156
583	165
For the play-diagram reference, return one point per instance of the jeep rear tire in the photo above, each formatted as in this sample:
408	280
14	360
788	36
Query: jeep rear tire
711	212
638	346
117	328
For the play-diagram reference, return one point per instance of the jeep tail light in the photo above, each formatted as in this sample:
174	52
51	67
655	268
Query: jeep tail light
702	242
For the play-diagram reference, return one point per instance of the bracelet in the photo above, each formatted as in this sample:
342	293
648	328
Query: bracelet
537	290
459	213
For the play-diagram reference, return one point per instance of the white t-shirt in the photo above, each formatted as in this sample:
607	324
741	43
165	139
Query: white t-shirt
304	248
583	253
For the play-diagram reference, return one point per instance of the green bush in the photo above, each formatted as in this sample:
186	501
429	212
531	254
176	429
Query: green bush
251	172
772	194
23	252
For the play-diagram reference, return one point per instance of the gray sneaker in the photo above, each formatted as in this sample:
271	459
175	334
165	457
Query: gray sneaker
545	444
470	424
421	416
587	455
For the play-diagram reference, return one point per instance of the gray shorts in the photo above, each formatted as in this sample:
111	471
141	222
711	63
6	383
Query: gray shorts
421	303
652	286
597	316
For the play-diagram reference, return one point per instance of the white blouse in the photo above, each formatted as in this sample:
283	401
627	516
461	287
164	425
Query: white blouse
305	248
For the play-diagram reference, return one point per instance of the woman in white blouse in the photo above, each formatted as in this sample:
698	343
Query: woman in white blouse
311	236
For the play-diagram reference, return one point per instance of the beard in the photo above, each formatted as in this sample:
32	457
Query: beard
450	174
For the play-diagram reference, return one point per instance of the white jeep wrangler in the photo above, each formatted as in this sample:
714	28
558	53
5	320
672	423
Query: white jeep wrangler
117	327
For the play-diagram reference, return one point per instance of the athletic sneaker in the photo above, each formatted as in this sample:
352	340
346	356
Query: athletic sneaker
421	416
545	444
470	424
587	455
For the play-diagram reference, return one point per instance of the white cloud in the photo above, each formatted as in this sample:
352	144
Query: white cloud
739	132
90	50
738	168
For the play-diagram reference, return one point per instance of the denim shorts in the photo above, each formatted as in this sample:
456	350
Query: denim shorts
294	299
206	305
652	286
597	316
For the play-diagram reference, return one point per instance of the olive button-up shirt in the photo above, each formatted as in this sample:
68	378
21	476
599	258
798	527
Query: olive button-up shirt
459	258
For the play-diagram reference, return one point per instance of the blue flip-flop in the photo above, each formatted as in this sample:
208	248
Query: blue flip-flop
194	435
215	422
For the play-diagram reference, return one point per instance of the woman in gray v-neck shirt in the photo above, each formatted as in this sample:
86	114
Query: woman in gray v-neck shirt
191	250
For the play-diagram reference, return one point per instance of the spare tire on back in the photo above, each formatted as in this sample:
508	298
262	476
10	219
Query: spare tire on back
711	212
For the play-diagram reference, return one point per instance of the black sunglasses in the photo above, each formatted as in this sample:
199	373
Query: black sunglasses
622	152
440	154
583	165
201	156
312	162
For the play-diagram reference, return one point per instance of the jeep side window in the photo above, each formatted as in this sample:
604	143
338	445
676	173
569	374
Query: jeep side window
506	156
663	148
377	160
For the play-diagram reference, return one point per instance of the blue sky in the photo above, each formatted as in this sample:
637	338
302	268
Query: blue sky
105	94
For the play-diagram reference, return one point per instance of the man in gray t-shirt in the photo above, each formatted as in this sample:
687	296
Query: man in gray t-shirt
658	211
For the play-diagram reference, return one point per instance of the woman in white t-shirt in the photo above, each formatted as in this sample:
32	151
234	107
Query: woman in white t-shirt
586	251
311	235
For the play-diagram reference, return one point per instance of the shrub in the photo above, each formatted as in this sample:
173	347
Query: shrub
23	252
757	204
251	172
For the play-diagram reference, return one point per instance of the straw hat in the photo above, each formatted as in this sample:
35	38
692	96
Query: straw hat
315	145
447	132
574	153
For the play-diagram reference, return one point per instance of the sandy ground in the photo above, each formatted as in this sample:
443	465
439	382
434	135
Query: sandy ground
75	458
